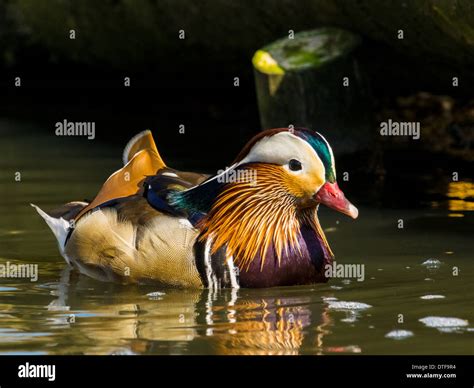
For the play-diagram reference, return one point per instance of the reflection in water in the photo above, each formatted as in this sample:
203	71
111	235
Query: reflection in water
268	326
114	321
461	196
239	324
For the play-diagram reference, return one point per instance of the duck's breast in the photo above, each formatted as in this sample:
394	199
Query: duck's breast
294	267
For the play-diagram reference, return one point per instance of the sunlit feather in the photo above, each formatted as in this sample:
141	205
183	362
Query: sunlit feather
250	217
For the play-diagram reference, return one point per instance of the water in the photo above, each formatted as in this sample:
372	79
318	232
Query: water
67	313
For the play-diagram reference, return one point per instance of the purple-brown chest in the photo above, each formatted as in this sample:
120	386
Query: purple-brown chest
295	267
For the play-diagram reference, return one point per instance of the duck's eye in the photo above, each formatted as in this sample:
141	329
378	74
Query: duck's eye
294	165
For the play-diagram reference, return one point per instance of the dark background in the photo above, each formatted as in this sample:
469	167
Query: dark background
190	81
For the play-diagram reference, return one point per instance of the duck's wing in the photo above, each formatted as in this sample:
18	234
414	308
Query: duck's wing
141	159
143	140
128	180
153	192
157	190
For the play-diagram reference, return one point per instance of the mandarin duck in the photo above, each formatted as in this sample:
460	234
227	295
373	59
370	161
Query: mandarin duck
254	224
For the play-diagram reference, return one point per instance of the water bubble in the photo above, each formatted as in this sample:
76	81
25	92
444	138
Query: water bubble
399	334
429	297
445	324
342	305
432	263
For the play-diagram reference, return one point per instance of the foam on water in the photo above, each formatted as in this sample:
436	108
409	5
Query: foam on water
342	305
432	263
429	297
399	334
444	322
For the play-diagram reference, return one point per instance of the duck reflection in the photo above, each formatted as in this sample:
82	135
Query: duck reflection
111	319
270	326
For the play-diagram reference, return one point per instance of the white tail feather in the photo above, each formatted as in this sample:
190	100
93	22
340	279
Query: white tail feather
59	227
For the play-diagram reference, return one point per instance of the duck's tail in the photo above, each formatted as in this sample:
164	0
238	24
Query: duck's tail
59	227
139	142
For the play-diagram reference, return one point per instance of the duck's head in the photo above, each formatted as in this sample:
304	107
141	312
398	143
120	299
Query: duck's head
270	193
302	166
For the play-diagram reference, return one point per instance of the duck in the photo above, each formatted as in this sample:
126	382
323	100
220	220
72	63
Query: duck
251	225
